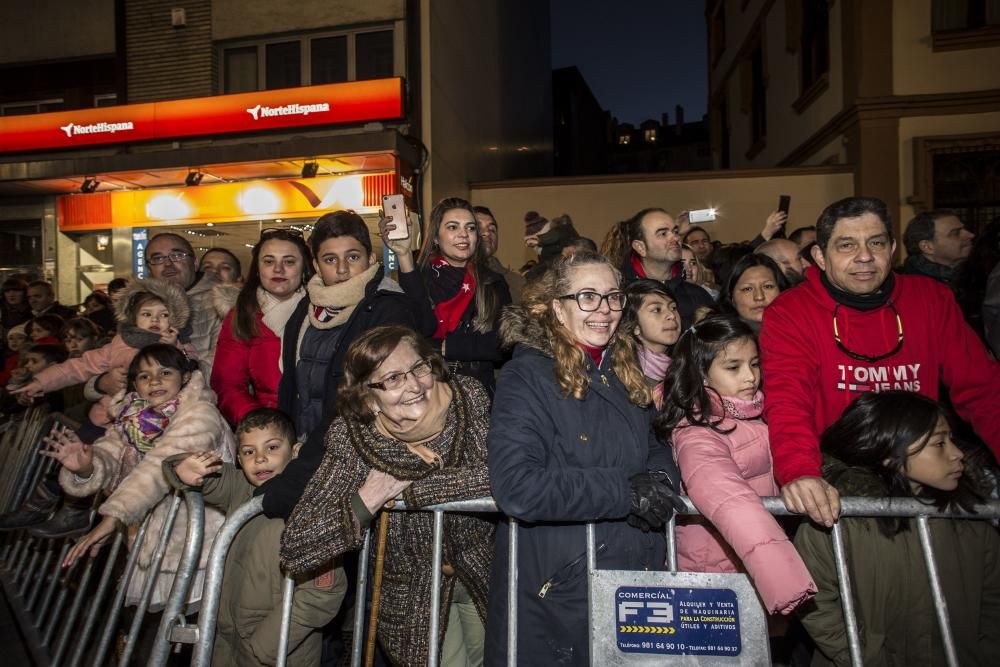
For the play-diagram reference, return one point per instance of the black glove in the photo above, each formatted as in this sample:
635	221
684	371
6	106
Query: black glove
653	501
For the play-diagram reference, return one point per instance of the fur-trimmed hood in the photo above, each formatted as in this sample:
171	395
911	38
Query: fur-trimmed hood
517	327
171	295
224	296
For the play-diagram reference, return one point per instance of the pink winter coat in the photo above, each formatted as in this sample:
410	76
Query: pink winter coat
725	474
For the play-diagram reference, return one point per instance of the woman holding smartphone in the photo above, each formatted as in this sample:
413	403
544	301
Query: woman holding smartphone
457	299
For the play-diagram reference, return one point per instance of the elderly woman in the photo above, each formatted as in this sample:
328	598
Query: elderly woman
571	442
404	427
754	282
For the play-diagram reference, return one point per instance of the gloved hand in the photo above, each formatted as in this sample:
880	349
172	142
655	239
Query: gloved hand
653	500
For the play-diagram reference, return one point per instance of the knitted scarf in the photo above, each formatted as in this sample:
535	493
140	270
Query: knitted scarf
332	305
654	364
451	289
275	312
430	424
741	408
140	424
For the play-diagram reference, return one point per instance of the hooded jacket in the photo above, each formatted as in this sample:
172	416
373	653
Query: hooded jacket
122	349
810	380
689	297
555	463
205	320
892	598
383	304
197	426
725	474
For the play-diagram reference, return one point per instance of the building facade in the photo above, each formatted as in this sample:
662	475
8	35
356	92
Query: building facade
906	92
218	118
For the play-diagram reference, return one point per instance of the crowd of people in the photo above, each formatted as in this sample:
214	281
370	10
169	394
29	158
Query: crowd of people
595	384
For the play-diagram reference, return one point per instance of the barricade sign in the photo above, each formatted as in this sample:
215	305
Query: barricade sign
640	618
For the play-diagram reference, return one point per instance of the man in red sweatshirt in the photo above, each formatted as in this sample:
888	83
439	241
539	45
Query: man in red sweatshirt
855	326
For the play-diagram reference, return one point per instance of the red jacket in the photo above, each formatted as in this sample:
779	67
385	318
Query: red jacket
809	381
240	364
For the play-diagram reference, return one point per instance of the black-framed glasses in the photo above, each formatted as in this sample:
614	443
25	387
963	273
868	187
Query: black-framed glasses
589	301
173	257
420	369
865	357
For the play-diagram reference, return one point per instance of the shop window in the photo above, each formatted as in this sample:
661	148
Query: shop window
30	107
329	57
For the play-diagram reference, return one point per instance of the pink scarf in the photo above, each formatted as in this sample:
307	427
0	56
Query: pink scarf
654	364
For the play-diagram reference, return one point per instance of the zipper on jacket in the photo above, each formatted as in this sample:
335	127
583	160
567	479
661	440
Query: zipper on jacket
557	579
604	379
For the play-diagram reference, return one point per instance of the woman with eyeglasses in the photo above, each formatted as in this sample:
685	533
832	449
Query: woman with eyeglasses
349	294
247	371
404	427
571	442
458	299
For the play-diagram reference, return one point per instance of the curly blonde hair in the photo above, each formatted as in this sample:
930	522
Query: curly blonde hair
537	302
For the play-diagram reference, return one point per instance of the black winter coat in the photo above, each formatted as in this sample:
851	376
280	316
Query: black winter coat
379	307
467	351
689	297
556	463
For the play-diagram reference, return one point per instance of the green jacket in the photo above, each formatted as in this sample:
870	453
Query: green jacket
892	598
250	608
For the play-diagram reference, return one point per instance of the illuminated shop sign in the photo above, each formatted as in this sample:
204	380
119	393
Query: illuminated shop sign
335	103
225	202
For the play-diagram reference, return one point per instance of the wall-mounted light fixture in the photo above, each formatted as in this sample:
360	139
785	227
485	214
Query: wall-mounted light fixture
310	169
103	241
89	185
193	178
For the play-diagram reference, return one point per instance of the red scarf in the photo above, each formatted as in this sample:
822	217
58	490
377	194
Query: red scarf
449	313
675	270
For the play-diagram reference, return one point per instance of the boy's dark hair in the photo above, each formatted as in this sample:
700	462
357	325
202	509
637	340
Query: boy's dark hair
337	224
54	354
259	418
117	284
51	323
165	355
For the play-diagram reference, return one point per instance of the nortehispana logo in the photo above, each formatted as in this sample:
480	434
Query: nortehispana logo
261	111
73	129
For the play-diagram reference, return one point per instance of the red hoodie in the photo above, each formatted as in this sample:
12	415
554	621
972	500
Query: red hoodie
810	381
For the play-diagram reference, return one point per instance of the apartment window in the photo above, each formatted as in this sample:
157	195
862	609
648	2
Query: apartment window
623	140
34	106
964	14
758	97
815	45
306	60
650	136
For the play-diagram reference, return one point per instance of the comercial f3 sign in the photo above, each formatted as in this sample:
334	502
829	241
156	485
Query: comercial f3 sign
336	103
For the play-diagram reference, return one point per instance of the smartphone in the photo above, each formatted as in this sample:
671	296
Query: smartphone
784	202
394	208
701	216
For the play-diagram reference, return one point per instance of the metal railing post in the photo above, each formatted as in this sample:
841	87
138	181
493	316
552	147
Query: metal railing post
115	610
153	573
212	589
358	640
74	612
940	604
186	569
512	577
95	603
435	644
287	595
672	544
846	596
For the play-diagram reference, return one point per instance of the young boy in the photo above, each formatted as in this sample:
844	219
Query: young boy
250	608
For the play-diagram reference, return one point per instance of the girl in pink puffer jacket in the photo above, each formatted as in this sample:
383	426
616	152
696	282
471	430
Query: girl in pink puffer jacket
149	311
712	411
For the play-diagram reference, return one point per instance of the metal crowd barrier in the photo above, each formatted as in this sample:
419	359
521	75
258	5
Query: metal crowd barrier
19	444
58	611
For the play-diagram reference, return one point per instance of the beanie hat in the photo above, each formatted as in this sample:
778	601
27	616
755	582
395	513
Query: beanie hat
533	223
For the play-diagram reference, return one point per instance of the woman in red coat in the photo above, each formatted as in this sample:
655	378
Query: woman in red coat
246	371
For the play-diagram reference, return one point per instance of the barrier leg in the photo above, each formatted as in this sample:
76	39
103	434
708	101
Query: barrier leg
74	612
186	569
435	644
50	592
512	573
53	620
287	592
115	610
36	589
95	603
846	597
150	583
358	641
672	544
940	604
30	571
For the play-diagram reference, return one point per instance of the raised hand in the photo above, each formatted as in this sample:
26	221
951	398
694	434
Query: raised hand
400	247
113	381
193	470
67	448
31	390
169	337
773	224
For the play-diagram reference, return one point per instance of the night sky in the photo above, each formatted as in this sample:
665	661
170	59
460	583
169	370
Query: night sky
640	57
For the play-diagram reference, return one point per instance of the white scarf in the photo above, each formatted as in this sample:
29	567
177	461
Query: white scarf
276	313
